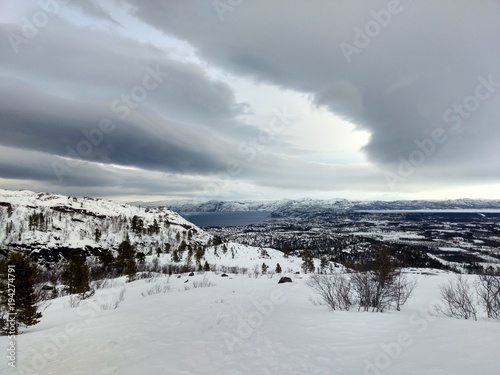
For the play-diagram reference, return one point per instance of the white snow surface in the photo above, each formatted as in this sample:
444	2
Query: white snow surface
246	325
72	222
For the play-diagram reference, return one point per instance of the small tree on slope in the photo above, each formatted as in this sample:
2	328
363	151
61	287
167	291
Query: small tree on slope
25	299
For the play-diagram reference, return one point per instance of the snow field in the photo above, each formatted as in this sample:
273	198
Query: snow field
245	325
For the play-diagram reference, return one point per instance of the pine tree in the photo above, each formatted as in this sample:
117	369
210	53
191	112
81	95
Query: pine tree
107	259
130	269
264	268
141	257
307	261
22	276
76	275
125	252
206	267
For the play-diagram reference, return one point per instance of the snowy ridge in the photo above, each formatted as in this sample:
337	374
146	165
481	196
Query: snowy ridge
47	221
242	206
294	207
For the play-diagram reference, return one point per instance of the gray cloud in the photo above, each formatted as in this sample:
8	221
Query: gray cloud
67	79
398	88
93	9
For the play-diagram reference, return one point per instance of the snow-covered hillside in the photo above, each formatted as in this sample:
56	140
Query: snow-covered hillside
47	225
36	221
248	326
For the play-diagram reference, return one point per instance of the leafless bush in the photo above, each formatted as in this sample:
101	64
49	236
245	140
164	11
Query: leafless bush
157	289
104	284
458	299
342	291
121	297
205	283
256	271
364	289
114	305
488	292
402	289
334	290
74	301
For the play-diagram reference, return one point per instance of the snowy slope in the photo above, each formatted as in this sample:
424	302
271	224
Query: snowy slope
248	326
71	223
59	221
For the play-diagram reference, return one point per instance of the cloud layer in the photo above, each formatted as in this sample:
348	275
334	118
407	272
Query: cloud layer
423	78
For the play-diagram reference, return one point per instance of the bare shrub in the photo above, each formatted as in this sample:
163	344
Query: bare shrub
74	301
157	289
205	283
334	290
458	299
342	291
488	292
402	289
364	289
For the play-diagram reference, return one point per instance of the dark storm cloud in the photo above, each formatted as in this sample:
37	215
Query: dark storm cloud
422	59
403	87
51	97
28	169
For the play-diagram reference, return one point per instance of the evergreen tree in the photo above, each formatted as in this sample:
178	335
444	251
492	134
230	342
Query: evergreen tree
307	261
206	267
141	257
278	268
23	302
76	275
264	268
126	259
107	259
130	269
125	252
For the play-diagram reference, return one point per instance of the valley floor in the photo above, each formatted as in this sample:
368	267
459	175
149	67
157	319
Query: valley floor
251	326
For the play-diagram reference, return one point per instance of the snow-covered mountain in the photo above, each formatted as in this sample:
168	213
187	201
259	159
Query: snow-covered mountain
277	206
41	222
294	207
49	225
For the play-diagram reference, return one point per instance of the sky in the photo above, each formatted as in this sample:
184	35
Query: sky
238	99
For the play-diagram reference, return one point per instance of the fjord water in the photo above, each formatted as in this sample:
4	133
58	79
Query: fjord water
226	219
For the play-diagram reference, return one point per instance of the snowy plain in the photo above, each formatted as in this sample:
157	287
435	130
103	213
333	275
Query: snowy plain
245	325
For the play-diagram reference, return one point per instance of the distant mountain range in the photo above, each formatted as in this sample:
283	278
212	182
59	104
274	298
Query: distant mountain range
290	207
